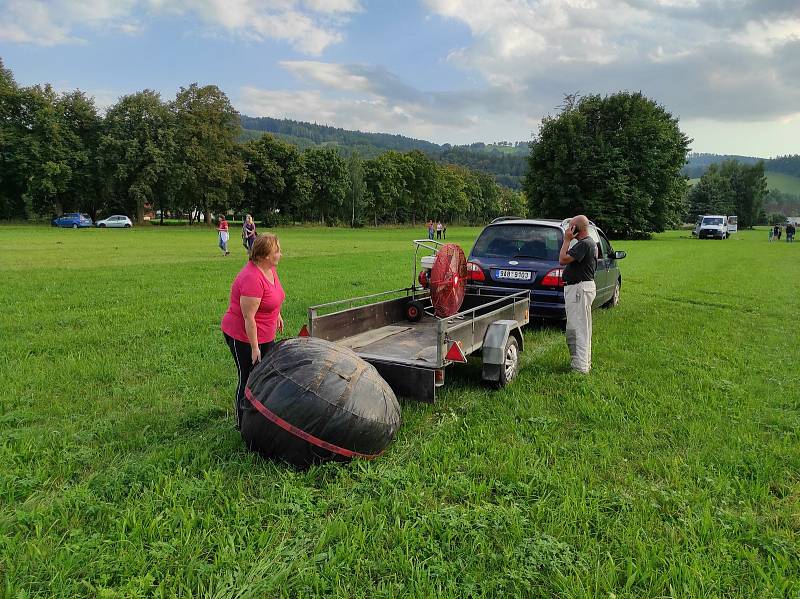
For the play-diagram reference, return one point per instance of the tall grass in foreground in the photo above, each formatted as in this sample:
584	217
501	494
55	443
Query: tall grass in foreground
671	470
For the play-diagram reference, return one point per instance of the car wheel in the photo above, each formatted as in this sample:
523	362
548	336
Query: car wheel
510	366
74	226
102	225
614	301
414	311
127	226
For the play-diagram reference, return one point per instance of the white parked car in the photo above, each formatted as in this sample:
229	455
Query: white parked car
118	220
716	226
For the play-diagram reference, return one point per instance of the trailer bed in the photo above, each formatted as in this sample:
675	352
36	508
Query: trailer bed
412	342
411	356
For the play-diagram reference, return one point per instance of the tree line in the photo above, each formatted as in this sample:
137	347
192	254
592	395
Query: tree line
731	188
621	160
187	156
506	165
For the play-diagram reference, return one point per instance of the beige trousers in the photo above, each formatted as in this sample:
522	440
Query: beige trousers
578	300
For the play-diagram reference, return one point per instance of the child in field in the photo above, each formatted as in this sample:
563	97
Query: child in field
771	234
222	230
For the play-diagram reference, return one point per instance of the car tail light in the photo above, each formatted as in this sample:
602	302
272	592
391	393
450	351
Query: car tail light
553	278
475	272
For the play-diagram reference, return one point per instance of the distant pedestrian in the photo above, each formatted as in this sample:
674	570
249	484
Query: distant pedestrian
248	233
771	234
430	229
790	231
222	231
444	230
439	230
778	231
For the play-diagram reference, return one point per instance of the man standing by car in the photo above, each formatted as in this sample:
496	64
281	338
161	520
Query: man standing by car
579	262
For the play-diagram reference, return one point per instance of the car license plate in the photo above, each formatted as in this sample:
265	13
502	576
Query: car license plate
516	275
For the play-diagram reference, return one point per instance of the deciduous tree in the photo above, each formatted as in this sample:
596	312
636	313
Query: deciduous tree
138	153
210	163
328	179
615	158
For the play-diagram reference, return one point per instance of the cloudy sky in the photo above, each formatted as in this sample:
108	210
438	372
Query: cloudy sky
453	71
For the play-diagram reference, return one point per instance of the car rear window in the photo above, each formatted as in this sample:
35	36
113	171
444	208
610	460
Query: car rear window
522	241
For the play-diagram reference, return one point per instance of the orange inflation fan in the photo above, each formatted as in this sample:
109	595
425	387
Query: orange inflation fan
448	280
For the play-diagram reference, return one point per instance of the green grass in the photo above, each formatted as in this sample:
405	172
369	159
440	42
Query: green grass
671	470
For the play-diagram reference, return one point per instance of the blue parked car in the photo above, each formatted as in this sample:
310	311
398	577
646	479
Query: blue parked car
517	253
72	220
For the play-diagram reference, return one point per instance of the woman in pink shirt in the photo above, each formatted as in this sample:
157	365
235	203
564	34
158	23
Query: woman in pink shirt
254	313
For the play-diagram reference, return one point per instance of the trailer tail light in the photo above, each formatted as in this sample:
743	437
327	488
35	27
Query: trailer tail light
475	272
439	377
553	278
303	332
423	279
455	353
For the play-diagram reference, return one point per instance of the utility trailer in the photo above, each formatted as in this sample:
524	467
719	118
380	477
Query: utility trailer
412	355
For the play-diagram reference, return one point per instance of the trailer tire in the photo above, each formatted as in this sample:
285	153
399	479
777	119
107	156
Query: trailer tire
414	311
510	366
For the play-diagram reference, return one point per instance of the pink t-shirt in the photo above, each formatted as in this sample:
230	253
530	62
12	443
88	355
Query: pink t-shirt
251	282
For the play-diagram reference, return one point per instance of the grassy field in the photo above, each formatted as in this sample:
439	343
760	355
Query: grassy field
672	470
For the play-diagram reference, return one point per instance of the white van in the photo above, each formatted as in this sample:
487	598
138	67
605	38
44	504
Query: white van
713	225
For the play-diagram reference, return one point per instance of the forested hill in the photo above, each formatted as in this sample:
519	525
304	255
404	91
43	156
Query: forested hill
698	163
506	161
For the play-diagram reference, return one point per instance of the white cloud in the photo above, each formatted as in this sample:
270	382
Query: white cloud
333	6
31	23
365	98
331	75
309	26
700	58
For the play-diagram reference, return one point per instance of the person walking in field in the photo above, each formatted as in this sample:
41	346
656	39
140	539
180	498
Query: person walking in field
439	230
771	234
790	231
444	230
778	232
430	229
222	232
580	262
248	233
253	318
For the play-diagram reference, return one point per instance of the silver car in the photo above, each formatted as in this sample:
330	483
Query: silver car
118	220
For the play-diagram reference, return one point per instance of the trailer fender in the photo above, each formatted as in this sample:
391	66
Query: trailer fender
494	345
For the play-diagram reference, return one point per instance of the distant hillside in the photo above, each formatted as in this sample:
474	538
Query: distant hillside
697	163
506	161
782	182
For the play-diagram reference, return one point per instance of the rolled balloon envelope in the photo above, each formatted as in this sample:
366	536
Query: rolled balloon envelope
310	401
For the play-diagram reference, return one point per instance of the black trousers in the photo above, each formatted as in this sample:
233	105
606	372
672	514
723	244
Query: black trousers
244	365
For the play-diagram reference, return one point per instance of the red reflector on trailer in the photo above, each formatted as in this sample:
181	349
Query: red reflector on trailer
455	353
303	332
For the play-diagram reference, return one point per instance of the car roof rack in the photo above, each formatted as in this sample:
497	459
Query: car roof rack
500	219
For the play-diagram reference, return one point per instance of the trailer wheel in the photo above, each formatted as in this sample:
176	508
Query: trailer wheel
414	311
510	366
